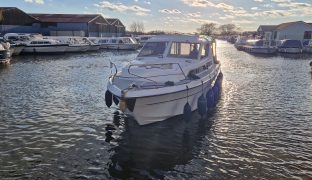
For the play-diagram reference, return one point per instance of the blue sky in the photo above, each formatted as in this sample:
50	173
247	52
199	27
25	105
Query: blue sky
178	15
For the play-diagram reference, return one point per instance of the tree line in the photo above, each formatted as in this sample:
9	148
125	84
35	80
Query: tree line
210	29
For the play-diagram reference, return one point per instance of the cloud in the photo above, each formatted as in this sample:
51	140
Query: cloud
207	3
295	7
194	15
168	11
227	17
35	1
147	2
119	7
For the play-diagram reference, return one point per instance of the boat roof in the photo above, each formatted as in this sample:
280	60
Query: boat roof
180	38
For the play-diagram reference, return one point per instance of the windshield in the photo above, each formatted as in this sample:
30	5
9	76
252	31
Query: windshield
153	49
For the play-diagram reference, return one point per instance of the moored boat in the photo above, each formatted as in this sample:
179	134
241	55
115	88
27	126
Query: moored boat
172	75
290	46
47	46
307	46
260	47
240	43
117	43
75	44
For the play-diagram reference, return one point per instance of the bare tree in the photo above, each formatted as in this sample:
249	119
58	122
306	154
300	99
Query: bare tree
208	29
137	28
134	27
140	27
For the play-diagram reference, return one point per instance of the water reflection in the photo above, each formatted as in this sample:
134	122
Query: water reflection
146	151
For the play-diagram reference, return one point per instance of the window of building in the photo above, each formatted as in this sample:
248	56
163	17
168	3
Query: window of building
307	35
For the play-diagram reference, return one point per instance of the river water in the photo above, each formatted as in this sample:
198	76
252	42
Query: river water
54	123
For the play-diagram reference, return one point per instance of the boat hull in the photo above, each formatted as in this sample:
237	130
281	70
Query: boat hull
307	50
152	109
260	50
290	50
123	46
73	49
94	47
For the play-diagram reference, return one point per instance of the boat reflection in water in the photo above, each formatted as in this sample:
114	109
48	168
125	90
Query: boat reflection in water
148	151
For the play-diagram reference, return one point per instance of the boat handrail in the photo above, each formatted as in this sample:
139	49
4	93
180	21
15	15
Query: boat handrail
155	83
153	64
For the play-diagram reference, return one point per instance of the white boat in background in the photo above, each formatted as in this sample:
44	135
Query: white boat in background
259	46
92	46
36	43
44	46
290	46
142	39
307	46
241	41
75	44
118	43
172	75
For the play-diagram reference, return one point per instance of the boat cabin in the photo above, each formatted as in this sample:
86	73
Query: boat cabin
185	48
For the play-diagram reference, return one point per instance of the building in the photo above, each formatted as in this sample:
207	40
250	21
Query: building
13	20
298	30
16	21
116	27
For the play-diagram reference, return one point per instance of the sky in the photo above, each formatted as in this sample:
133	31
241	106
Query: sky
178	15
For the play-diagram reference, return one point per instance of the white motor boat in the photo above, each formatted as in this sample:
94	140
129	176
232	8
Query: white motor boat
307	46
44	46
240	42
118	43
92	46
291	46
75	44
143	38
172	75
260	47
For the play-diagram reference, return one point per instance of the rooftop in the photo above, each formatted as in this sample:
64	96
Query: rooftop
66	18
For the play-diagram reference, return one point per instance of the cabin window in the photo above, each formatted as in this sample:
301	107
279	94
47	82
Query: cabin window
33	42
214	52
307	35
204	51
184	50
153	49
275	35
102	41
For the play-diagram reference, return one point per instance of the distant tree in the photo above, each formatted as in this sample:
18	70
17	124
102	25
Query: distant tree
140	27
228	29
137	28
208	29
